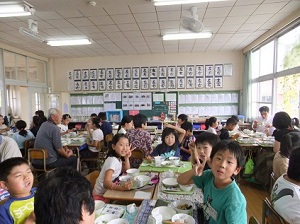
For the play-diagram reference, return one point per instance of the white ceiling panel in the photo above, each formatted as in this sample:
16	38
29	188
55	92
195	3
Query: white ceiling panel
136	26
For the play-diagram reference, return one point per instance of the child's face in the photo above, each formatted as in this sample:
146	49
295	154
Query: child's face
214	125
19	181
188	133
129	125
203	150
179	121
223	166
231	127
170	139
122	147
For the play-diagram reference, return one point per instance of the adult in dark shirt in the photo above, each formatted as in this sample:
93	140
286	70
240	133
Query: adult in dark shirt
105	126
283	124
35	125
49	138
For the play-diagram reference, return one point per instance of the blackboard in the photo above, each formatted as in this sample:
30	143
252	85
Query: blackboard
157	109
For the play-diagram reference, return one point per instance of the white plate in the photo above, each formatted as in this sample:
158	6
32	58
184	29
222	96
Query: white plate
166	163
170	182
140	181
166	212
104	219
99	204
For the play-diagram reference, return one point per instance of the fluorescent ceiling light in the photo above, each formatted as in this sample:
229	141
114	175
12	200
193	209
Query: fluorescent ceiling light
179	2
8	9
69	42
187	36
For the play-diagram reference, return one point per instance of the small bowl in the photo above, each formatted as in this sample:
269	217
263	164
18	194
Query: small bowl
174	160
124	179
166	212
183	206
170	182
133	172
166	163
81	140
103	219
186	187
118	221
183	218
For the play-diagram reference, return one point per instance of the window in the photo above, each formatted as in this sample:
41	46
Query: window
274	83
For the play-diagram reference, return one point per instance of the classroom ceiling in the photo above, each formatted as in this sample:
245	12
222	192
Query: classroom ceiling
133	27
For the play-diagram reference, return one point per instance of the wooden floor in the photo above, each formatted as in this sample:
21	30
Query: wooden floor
254	195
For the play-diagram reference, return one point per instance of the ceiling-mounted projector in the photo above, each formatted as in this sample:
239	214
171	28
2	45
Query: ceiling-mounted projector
32	31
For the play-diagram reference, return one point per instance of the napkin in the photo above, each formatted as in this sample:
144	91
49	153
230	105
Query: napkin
142	194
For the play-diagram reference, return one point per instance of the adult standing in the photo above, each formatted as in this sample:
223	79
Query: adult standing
49	138
283	124
139	137
263	123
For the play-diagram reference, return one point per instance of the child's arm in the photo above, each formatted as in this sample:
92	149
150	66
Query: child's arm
108	184
194	155
187	177
180	131
30	219
126	164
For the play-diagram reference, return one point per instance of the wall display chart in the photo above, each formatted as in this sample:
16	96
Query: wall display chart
149	78
217	103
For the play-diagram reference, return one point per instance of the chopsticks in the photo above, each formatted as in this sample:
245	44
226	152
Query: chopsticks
170	222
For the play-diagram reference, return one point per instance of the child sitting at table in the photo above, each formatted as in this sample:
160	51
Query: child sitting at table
202	147
211	124
22	135
230	125
223	199
16	177
170	142
117	161
185	151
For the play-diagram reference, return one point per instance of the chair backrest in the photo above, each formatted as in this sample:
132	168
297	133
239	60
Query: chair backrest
92	177
29	144
269	215
136	158
253	220
38	154
109	137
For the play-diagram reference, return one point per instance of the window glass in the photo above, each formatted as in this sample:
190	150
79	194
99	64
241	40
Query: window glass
289	50
21	67
265	91
36	70
9	65
288	99
266	59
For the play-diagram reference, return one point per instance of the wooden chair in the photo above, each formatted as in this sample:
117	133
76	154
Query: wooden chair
92	177
253	220
269	215
38	154
136	158
97	162
108	139
27	145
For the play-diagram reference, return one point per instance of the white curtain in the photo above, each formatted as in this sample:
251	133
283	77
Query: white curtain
246	92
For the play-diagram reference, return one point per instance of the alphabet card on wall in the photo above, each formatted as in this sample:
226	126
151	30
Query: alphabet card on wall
127	73
118	73
209	83
85	74
110	84
218	82
153	72
162	83
153	83
77	75
85	85
219	70
77	85
93	85
162	71
145	83
135	84
93	74
136	73
209	70
180	83
102	85
110	73
171	83
180	71
145	72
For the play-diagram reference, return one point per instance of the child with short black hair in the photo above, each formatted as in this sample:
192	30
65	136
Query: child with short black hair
202	147
185	151
223	200
230	125
16	177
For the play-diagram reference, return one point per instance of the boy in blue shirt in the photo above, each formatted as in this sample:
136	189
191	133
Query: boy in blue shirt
16	177
223	200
